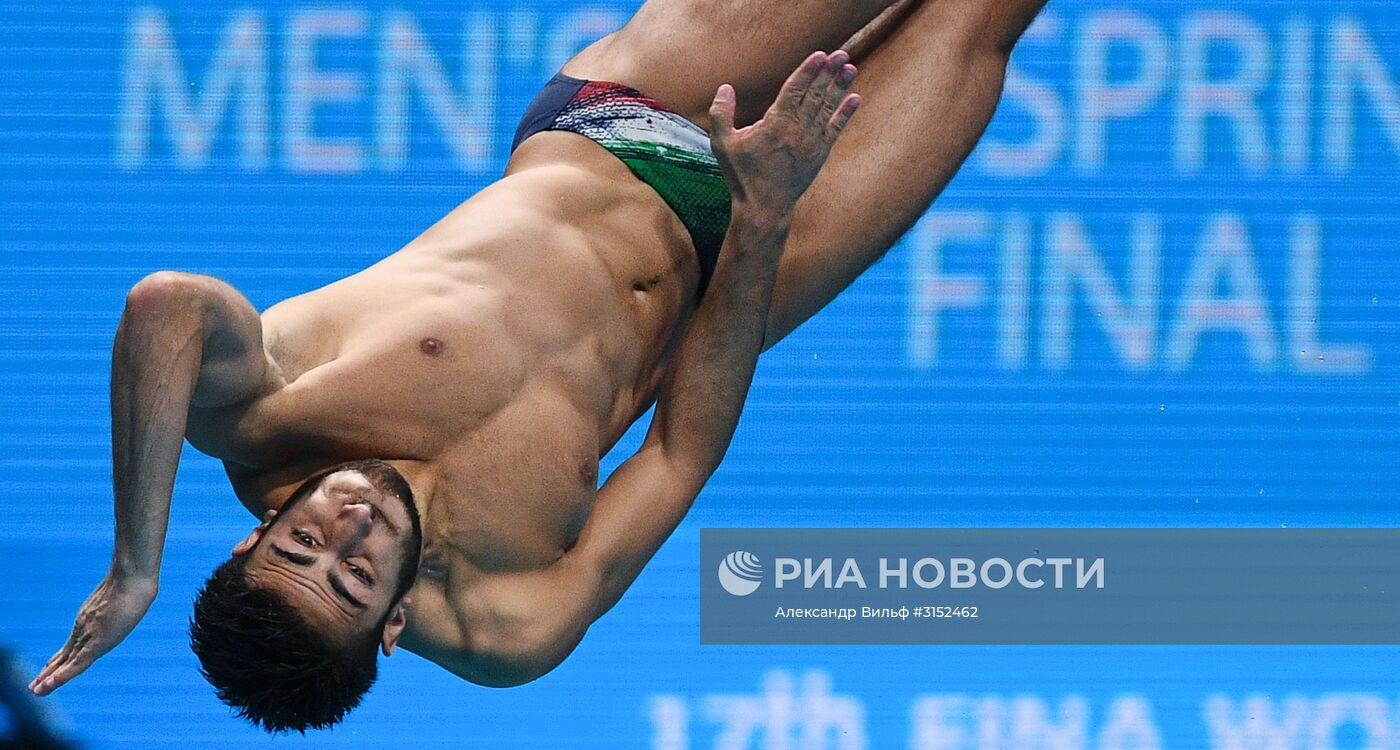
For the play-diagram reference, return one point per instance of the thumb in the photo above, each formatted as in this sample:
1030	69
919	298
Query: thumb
722	113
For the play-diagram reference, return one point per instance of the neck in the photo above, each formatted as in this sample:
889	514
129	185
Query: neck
420	479
264	490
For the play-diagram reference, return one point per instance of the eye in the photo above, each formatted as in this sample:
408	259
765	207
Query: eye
305	539
361	574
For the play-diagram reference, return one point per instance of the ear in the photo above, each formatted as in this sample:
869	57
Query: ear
394	628
250	541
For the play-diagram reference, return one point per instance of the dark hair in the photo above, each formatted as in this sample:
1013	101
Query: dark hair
268	663
265	660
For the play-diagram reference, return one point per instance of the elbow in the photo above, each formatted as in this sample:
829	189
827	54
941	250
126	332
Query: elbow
691	467
686	462
163	291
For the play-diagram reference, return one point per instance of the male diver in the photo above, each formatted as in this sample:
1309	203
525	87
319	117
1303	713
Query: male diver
452	401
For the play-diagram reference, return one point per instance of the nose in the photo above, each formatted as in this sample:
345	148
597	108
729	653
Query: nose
355	521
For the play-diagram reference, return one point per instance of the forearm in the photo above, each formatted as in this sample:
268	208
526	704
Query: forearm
183	339
698	408
155	365
767	166
696	412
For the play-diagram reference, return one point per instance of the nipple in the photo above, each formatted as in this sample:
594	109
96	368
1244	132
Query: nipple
431	347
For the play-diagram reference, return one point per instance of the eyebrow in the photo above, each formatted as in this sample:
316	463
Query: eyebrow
337	583
299	559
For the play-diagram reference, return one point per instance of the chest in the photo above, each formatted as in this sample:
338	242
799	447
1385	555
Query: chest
501	505
507	492
403	381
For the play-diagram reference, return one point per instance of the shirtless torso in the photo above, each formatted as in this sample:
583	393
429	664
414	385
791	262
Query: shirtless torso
493	361
495	358
494	366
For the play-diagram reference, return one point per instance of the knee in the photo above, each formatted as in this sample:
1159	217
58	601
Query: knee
1021	15
990	25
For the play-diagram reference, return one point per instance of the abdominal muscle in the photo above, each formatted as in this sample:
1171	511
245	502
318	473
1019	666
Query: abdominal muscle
590	274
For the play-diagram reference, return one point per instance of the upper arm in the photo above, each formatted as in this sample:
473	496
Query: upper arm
634	513
508	629
514	627
233	365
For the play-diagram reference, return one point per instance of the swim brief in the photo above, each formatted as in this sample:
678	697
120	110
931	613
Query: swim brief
664	150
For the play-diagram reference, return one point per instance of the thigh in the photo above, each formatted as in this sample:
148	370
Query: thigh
680	51
928	91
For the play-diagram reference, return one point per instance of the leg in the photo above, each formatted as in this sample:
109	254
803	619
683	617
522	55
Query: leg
680	51
929	89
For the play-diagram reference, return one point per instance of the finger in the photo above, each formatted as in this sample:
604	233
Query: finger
46	685
60	654
842	116
40	684
51	665
65	672
811	105
796	85
722	113
836	92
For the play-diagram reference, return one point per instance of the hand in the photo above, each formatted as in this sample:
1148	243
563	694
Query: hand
771	163
104	620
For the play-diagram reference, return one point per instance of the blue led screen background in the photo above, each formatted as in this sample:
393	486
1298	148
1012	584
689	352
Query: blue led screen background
1164	291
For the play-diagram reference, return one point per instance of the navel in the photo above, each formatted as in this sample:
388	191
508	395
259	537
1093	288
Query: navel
647	284
431	347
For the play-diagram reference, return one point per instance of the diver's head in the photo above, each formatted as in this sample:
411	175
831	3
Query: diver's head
286	631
